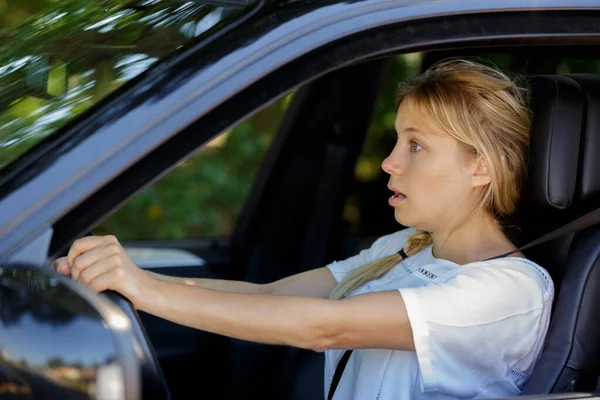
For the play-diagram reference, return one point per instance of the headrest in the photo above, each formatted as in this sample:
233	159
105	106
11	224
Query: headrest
565	140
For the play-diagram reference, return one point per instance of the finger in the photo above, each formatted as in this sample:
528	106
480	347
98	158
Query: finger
96	269
106	281
61	265
87	243
83	261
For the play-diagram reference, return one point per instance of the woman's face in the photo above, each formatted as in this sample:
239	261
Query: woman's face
430	178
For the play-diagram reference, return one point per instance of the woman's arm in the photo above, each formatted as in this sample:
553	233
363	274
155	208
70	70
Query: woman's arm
262	318
315	283
214	284
374	320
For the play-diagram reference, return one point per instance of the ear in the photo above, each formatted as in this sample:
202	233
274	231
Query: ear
481	173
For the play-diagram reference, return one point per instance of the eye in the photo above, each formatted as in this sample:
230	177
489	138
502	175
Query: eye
414	146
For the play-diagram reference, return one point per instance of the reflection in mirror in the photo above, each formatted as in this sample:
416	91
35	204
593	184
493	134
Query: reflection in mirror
54	343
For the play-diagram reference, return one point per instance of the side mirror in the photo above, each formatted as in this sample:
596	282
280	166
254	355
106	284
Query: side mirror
60	340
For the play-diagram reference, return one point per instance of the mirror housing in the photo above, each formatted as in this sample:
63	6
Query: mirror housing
60	340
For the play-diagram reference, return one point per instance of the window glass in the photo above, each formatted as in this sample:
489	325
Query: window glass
58	58
203	196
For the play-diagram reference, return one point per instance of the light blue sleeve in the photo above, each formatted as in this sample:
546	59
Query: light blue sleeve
382	247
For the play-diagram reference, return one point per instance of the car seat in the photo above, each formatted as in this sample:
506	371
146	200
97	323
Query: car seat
563	183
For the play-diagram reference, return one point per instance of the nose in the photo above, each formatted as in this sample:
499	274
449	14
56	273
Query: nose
393	164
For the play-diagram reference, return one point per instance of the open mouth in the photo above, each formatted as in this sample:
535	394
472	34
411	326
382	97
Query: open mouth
397	198
397	194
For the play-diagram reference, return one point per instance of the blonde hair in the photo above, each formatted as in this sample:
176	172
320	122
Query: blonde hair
488	114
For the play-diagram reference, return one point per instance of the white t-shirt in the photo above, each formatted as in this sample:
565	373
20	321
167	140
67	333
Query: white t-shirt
478	328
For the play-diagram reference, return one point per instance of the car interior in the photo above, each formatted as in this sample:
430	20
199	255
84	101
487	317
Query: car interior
295	218
278	170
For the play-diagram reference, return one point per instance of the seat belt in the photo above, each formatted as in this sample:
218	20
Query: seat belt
579	224
339	370
585	221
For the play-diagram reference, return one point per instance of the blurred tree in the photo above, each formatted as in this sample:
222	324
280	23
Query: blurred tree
102	47
204	195
56	362
29	293
77	364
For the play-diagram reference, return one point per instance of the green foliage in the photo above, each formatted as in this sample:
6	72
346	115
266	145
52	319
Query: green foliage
100	46
56	362
204	195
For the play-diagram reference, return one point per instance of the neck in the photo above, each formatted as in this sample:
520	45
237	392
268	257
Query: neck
477	239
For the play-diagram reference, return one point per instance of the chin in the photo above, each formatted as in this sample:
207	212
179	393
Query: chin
402	219
409	222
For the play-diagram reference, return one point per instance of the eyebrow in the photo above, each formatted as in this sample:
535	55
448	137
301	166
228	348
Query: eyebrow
412	129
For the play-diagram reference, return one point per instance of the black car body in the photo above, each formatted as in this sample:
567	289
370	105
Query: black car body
334	56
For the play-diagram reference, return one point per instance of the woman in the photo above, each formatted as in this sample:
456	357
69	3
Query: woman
439	319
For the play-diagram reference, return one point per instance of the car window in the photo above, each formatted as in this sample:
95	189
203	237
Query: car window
57	59
204	195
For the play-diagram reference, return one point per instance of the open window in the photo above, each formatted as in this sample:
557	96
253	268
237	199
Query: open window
186	218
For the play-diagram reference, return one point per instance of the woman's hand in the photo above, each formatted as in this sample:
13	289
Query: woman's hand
101	263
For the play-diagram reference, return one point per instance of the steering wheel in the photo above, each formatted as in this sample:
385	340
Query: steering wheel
154	384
